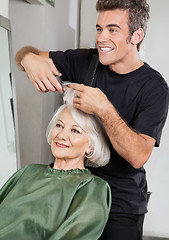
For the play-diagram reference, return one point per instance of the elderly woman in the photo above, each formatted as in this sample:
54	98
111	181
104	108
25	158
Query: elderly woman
64	200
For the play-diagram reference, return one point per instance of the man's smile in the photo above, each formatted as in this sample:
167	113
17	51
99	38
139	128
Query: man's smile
106	49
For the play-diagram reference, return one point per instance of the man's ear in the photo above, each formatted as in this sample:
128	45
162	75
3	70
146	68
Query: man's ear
137	36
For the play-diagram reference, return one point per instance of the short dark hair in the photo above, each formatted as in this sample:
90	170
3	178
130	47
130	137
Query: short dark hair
138	12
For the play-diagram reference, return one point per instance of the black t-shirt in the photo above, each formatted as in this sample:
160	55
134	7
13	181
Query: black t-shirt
141	98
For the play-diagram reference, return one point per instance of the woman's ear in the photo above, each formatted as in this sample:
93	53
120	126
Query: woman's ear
137	36
89	150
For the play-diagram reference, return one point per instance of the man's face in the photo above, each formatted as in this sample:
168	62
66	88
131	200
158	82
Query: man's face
113	38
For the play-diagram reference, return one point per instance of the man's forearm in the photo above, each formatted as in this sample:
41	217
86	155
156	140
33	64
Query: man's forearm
132	146
22	53
26	50
39	68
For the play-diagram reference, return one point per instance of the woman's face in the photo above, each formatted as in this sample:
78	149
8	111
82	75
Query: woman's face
68	139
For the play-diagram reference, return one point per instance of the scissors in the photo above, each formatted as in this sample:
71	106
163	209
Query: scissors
63	84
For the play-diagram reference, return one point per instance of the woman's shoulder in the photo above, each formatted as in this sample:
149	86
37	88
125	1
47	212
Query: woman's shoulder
34	168
94	181
100	182
96	188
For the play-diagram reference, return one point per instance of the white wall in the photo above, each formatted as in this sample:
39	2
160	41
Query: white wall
88	23
155	51
157	55
47	28
4	8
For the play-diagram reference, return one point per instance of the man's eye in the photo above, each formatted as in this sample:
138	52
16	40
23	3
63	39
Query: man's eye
112	30
98	29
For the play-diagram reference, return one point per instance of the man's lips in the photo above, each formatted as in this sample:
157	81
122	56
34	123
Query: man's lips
61	145
106	49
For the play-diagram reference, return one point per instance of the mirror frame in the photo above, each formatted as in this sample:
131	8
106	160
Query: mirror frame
5	23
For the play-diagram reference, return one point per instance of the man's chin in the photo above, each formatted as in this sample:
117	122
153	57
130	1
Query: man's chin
104	62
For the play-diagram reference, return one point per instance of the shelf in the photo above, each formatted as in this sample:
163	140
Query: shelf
34	1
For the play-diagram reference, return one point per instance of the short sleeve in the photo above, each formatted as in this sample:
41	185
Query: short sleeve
73	64
152	112
88	212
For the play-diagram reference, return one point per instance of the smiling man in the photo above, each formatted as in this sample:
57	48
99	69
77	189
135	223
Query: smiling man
129	97
115	45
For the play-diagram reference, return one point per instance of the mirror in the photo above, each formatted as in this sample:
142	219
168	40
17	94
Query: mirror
8	156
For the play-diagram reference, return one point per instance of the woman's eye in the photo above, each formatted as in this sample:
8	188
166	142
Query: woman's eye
76	131
58	125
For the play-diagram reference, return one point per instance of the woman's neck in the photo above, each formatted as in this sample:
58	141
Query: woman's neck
62	164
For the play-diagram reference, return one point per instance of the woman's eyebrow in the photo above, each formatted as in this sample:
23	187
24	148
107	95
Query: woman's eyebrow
74	125
59	120
83	129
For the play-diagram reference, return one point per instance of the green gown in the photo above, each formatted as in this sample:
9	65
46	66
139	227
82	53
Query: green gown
39	202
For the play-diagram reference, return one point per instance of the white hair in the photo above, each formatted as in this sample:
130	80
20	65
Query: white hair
100	154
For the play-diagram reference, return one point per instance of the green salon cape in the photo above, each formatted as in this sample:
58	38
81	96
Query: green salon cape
39	202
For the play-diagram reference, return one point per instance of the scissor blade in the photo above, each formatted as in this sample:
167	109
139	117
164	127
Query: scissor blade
59	79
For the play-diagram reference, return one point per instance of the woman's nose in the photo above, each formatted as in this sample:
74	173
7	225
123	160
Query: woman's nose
62	134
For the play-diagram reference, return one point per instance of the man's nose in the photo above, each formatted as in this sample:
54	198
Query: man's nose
102	36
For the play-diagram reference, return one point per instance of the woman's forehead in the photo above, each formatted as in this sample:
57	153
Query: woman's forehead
73	116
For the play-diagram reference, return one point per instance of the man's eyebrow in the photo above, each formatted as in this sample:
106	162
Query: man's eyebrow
113	25
109	25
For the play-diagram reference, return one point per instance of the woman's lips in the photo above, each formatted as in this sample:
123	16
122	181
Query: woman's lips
60	145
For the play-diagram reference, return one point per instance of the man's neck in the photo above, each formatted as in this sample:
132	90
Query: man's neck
127	67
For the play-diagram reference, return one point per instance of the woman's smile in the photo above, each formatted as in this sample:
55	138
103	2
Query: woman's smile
61	145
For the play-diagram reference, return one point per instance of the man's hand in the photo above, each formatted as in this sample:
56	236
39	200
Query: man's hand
132	146
41	71
88	99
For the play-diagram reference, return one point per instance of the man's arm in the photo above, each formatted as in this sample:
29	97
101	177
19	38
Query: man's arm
134	147
39	68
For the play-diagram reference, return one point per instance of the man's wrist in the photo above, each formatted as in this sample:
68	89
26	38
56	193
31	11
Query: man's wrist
21	54
104	108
